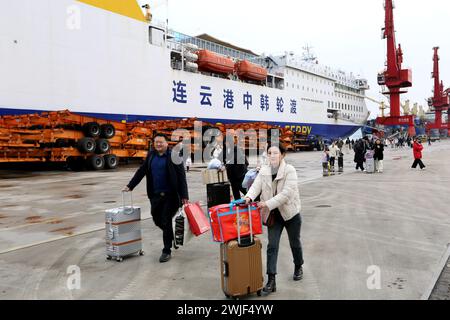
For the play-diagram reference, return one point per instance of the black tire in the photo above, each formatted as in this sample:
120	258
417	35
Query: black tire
91	129
111	161
86	145
107	131
103	146
96	162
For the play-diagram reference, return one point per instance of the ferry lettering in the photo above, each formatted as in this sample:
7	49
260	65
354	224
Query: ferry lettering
305	130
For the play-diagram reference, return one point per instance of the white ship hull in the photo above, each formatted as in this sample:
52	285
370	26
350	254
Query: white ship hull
66	54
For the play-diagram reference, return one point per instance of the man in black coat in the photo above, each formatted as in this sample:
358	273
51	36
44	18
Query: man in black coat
236	164
360	150
166	188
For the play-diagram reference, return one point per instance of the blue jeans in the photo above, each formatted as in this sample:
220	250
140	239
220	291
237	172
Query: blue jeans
293	227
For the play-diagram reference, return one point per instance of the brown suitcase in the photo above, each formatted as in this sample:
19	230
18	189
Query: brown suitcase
241	268
241	264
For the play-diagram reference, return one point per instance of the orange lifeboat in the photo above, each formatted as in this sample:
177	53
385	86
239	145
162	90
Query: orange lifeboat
250	71
212	62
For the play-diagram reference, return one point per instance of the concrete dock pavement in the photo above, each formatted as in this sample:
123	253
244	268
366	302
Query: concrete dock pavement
364	236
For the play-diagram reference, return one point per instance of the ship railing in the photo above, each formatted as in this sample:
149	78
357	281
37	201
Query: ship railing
181	38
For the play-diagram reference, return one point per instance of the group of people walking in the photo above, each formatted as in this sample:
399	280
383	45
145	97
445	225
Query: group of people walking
362	146
275	188
365	150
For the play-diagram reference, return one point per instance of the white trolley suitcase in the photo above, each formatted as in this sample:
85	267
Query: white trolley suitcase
123	231
370	165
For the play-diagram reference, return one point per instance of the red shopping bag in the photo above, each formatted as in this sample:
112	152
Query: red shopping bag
198	222
224	223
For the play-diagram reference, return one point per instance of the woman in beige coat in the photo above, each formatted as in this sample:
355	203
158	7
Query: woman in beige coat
277	185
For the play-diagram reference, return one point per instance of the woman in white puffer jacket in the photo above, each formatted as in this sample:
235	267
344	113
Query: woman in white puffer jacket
277	183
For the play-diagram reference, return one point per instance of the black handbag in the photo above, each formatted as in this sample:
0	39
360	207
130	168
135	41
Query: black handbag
179	231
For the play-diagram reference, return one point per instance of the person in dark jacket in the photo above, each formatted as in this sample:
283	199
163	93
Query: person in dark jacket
236	164
360	150
166	188
378	155
417	151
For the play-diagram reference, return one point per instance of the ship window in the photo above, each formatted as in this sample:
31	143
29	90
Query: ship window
292	86
287	84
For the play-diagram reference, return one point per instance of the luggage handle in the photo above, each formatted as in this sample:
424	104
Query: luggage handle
130	209
238	202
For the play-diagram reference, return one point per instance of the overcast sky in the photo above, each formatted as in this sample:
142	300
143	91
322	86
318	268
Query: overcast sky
344	34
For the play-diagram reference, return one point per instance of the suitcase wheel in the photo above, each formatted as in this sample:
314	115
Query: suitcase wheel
141	253
119	259
108	258
259	292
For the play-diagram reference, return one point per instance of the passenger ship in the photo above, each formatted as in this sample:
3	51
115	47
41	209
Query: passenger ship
104	58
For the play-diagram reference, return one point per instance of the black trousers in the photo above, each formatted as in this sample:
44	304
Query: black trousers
292	227
163	209
236	187
418	162
340	162
332	159
360	165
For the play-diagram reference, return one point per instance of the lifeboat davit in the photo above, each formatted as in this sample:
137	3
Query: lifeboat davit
250	71
213	62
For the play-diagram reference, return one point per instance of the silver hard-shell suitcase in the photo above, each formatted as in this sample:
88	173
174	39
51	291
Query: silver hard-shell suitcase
123	231
370	165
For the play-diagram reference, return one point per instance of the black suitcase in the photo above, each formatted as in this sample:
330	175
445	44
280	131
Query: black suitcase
217	194
341	164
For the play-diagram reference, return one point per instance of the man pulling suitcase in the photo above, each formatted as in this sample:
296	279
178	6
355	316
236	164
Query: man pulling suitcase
166	188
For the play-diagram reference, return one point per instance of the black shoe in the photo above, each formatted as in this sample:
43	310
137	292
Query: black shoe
298	273
271	285
165	257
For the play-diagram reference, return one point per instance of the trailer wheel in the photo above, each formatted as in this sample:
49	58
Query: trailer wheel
86	145
102	146
96	162
107	131
111	161
91	129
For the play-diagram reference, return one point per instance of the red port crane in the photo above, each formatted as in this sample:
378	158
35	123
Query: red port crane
394	77
440	100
